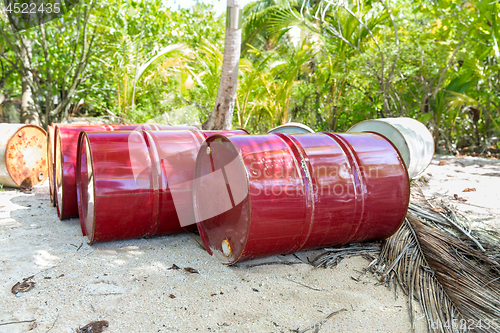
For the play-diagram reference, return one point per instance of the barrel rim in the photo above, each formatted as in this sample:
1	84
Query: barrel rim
58	160
242	129
155	176
299	125
81	137
50	162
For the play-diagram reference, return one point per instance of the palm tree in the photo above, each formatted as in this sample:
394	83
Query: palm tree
222	114
29	109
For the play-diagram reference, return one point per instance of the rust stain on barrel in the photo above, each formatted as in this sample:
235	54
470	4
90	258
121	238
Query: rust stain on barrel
26	156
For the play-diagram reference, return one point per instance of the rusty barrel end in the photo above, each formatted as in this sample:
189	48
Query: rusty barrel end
26	156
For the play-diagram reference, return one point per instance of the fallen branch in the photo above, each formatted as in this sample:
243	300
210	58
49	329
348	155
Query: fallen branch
304	285
320	323
18	322
275	263
53	324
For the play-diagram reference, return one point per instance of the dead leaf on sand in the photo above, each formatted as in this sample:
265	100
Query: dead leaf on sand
26	184
22	287
469	190
33	326
191	270
438	210
442	162
93	327
456	197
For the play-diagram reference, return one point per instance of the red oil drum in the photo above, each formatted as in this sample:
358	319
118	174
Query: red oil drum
66	141
51	153
137	184
262	195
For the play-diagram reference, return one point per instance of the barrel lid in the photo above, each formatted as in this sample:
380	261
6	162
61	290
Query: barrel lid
26	156
411	138
293	128
389	132
221	200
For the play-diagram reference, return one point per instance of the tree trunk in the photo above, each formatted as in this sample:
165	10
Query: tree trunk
317	104
222	114
29	111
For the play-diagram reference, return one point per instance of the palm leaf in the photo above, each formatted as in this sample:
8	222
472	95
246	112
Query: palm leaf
450	266
171	51
460	100
407	263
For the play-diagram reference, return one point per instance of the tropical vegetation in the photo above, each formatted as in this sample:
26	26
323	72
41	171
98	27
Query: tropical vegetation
328	64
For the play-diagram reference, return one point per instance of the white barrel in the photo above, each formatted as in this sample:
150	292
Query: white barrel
291	128
23	155
413	140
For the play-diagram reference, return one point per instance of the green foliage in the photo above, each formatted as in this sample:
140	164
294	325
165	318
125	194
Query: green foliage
327	64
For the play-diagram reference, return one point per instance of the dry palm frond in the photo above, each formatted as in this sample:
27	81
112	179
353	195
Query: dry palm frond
451	268
334	256
443	260
403	259
469	277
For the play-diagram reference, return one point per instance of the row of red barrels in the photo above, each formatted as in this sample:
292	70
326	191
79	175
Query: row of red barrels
248	195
